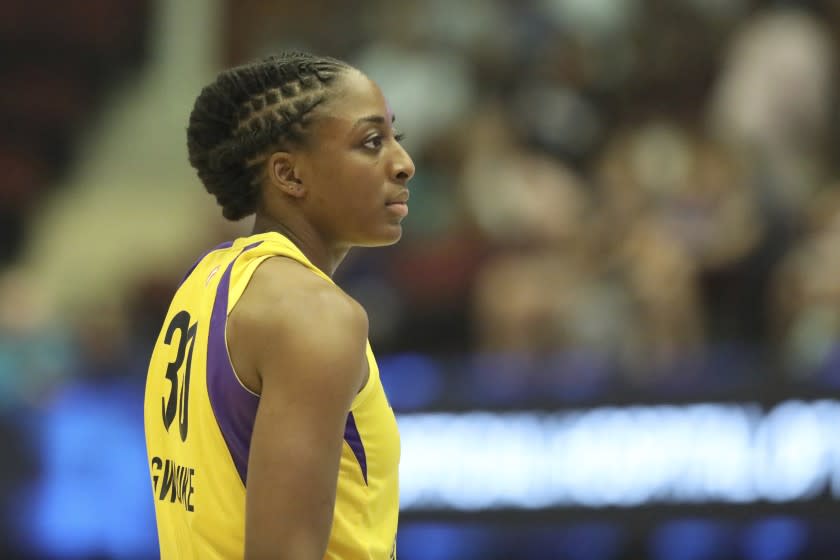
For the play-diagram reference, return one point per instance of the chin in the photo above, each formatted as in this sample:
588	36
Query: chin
389	235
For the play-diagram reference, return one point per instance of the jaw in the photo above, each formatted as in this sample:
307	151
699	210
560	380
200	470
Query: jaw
387	235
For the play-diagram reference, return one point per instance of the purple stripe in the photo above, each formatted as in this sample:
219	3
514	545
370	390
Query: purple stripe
234	407
352	437
225	245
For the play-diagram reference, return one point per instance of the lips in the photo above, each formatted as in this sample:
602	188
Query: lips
398	205
401	198
399	208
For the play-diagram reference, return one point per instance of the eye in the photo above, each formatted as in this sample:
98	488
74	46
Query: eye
399	136
373	143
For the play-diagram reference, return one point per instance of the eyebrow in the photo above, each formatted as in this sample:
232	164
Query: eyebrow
377	119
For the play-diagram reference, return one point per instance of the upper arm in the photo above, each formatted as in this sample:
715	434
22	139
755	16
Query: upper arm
307	343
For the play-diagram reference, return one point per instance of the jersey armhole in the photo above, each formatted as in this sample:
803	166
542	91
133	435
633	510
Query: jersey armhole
239	282
233	368
370	384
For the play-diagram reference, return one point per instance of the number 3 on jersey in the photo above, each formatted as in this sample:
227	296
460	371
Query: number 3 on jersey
178	402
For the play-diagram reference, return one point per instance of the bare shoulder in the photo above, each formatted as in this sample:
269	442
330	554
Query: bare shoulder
284	293
290	319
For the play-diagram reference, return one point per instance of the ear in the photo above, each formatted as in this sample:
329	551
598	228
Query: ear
282	174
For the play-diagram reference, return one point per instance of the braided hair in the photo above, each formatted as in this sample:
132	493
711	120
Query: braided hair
249	110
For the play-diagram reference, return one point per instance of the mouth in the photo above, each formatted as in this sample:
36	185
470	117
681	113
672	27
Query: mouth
398	208
399	204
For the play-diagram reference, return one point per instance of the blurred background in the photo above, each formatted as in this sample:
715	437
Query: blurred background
610	331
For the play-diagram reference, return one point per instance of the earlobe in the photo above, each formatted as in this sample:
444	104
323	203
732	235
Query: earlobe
294	187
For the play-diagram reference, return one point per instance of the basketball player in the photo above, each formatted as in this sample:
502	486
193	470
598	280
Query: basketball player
267	429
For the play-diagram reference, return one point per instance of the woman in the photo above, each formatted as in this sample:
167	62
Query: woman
268	432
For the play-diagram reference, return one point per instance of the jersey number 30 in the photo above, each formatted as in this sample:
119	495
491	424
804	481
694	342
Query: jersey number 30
178	402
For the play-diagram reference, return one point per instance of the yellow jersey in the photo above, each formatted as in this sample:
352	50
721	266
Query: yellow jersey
199	418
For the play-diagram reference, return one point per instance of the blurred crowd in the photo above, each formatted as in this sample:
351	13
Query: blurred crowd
644	188
649	186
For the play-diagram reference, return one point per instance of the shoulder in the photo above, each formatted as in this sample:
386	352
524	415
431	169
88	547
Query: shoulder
291	319
283	293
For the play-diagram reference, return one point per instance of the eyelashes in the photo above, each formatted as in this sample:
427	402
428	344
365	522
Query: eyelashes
375	142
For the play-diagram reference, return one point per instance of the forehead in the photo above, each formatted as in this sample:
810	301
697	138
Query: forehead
356	96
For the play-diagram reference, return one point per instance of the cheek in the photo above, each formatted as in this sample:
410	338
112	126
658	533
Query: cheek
358	183
348	186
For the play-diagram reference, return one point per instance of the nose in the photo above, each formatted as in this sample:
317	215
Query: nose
402	166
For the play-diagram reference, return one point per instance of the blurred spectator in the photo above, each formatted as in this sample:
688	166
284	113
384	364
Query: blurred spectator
516	197
773	101
805	295
36	351
661	281
701	196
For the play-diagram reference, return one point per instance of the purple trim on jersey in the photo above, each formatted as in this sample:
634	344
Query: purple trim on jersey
352	437
225	245
234	407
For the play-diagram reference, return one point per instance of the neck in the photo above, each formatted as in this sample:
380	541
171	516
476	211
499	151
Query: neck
311	244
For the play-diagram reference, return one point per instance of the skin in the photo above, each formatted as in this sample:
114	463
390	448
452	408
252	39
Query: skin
299	341
332	194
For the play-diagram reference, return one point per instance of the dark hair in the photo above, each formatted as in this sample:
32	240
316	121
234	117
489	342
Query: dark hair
246	111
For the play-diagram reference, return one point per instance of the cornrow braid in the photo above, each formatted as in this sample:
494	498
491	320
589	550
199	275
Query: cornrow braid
246	111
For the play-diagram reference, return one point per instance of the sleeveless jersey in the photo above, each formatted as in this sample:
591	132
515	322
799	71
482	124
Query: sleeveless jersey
199	418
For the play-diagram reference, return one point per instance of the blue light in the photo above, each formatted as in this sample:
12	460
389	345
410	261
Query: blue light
411	381
693	540
775	539
94	498
442	541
